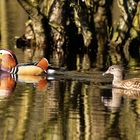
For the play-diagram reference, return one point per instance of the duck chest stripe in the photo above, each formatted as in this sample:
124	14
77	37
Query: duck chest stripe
14	70
14	76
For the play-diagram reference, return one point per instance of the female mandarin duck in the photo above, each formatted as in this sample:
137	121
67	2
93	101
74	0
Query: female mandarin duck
8	63
117	72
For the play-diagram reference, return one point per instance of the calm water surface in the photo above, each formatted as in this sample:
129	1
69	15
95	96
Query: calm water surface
74	105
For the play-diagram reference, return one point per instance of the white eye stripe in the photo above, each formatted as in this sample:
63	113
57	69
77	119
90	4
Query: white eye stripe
5	52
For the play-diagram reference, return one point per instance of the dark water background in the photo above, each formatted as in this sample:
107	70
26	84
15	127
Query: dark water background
76	105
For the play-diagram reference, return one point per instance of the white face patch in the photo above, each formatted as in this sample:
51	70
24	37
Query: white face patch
5	52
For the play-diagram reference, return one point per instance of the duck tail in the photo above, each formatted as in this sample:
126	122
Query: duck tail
43	63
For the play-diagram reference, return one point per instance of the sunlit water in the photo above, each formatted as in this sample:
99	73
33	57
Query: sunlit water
71	105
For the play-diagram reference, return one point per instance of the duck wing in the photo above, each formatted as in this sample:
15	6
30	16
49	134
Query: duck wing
133	84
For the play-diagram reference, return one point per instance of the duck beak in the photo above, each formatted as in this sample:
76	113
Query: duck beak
104	73
107	72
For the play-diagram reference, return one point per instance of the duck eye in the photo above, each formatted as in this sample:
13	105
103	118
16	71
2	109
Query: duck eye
112	68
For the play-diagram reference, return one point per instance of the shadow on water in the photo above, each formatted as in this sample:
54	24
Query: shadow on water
75	103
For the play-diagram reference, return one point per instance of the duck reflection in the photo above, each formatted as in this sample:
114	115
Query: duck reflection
113	101
118	94
40	82
7	84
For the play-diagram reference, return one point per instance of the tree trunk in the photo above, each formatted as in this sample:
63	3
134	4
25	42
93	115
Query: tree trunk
56	23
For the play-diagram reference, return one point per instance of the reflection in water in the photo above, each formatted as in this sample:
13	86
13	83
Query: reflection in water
66	109
124	116
40	82
7	84
115	101
15	108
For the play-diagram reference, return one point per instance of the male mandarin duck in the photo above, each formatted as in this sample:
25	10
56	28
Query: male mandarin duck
119	82
8	63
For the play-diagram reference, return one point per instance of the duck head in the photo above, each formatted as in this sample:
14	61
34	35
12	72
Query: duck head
116	71
8	60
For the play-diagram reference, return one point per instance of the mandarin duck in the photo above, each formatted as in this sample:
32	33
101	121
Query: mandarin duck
119	82
9	63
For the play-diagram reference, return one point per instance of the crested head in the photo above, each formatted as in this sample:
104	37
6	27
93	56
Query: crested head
6	51
8	60
117	72
114	69
43	63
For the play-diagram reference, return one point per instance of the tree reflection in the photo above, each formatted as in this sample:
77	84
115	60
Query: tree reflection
124	114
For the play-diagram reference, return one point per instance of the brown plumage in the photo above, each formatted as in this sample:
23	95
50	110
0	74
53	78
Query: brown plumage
7	60
119	82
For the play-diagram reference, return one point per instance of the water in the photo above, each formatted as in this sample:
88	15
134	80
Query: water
73	105
66	109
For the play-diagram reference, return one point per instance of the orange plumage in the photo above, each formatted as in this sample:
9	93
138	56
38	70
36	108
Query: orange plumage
43	63
8	62
7	84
